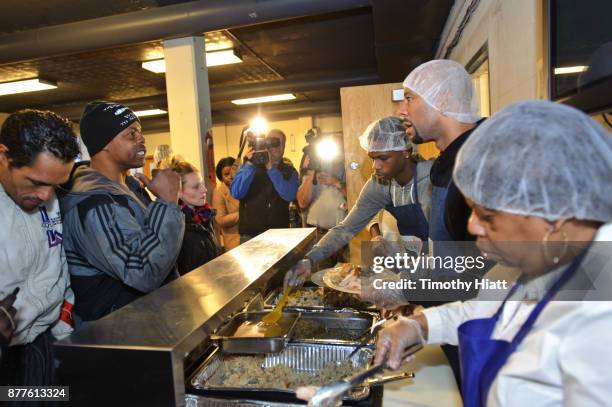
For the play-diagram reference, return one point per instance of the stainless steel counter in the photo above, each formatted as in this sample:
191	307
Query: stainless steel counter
138	355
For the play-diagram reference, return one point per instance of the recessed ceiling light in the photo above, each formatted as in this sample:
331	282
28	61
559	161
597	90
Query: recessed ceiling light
28	85
150	112
264	99
570	69
213	58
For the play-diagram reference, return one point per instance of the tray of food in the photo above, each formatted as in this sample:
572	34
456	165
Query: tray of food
245	333
345	327
316	298
299	364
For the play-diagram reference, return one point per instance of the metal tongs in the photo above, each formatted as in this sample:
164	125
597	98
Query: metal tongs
367	337
331	394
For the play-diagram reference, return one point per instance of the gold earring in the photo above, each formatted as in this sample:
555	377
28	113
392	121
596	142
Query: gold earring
555	259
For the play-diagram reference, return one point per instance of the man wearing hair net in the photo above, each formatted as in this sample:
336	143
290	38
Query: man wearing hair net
439	104
400	185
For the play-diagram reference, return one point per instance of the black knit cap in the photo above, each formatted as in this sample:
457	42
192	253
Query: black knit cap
101	122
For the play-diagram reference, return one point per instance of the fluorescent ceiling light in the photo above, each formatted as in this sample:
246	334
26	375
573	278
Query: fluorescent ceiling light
223	57
28	85
150	112
214	58
155	65
264	99
570	69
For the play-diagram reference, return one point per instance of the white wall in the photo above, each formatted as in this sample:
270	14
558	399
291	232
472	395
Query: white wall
514	31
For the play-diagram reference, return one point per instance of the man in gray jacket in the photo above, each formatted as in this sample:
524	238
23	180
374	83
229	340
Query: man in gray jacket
118	249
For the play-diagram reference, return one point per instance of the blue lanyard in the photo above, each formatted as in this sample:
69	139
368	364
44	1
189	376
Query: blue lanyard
565	276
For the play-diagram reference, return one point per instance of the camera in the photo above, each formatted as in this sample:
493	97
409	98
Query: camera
311	137
257	142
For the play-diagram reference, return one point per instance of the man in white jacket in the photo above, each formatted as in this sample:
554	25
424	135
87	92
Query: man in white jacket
37	151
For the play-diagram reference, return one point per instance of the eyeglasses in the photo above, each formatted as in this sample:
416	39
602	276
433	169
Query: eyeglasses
273	142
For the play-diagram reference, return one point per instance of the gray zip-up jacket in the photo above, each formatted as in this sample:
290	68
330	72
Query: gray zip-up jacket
114	244
373	197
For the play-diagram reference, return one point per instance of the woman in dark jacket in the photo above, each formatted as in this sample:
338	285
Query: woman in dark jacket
199	242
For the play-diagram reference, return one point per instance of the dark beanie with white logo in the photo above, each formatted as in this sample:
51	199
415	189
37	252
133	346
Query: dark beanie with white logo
101	122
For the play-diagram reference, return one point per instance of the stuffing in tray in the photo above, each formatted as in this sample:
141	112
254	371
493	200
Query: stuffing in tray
306	298
247	371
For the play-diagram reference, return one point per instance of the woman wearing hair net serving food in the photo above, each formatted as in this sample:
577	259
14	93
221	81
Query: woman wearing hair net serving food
536	176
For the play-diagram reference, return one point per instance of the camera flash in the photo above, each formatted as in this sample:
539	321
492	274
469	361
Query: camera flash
259	125
327	149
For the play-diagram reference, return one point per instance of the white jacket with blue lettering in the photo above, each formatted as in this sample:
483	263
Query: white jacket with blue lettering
32	258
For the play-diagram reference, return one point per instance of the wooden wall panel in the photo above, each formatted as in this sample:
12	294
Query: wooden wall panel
429	150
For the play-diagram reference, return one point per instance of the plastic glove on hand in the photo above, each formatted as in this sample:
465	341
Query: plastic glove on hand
393	339
298	274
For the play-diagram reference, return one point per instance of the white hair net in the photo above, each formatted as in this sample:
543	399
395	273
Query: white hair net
386	134
446	86
539	158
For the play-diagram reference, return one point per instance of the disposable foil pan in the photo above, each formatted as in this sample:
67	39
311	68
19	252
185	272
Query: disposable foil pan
334	327
302	357
199	401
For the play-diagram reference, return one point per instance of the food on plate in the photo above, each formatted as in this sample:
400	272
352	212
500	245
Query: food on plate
342	271
345	276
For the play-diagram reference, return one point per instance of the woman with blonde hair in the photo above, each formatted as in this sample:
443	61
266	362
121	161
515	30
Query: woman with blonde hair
199	242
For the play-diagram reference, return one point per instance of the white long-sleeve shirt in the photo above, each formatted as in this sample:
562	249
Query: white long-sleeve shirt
32	258
566	358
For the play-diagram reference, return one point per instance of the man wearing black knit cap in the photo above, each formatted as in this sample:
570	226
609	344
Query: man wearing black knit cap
118	249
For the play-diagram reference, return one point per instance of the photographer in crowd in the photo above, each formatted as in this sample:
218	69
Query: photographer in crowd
322	193
265	185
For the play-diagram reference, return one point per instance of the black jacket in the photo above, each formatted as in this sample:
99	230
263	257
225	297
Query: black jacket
199	246
456	212
263	208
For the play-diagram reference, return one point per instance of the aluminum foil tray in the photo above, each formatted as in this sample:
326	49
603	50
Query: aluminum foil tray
302	357
334	327
199	401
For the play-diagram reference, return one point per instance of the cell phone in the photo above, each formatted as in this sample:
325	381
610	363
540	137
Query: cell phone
15	291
